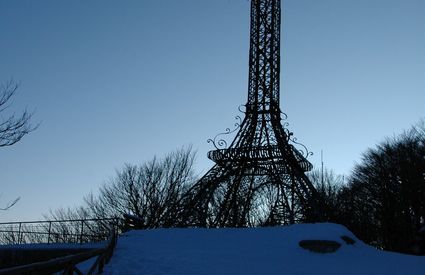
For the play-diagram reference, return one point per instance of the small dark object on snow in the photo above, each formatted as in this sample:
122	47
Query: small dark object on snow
132	222
348	240
320	246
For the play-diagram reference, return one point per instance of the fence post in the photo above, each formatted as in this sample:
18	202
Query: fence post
81	233
19	233
48	235
116	221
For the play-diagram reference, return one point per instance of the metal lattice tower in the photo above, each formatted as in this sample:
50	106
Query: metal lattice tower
259	179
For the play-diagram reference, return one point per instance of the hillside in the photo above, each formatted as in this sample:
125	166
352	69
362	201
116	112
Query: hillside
252	251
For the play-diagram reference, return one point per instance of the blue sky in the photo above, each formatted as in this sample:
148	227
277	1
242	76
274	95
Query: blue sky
116	82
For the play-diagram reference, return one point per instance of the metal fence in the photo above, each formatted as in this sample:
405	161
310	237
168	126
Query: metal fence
69	264
58	231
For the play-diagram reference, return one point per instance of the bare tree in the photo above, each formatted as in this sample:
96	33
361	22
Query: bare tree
151	192
329	186
12	127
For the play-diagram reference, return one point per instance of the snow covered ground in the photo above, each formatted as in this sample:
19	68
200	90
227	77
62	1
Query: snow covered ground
273	250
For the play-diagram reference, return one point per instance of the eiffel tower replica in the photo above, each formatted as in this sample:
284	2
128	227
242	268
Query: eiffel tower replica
259	179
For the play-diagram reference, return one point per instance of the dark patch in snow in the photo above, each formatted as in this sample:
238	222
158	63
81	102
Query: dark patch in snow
348	240
320	246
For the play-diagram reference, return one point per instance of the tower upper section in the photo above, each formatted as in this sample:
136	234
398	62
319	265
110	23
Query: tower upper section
264	57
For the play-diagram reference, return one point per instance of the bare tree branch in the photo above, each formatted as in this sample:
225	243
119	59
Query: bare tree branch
10	204
12	127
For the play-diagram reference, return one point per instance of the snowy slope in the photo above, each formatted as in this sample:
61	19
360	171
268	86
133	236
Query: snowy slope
252	251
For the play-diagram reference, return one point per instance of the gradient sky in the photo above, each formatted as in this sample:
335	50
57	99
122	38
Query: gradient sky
116	82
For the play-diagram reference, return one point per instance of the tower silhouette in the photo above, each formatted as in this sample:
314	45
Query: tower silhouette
259	179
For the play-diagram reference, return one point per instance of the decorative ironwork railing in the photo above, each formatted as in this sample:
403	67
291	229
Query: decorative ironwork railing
259	155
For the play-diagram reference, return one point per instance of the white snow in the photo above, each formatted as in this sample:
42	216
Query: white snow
268	251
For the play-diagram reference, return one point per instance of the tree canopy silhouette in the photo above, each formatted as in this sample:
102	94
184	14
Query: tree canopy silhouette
384	203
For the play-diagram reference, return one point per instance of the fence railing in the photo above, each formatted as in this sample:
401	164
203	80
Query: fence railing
58	231
68	264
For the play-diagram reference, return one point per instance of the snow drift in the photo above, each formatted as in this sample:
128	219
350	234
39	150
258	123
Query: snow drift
273	250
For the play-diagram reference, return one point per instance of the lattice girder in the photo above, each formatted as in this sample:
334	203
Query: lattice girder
259	179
